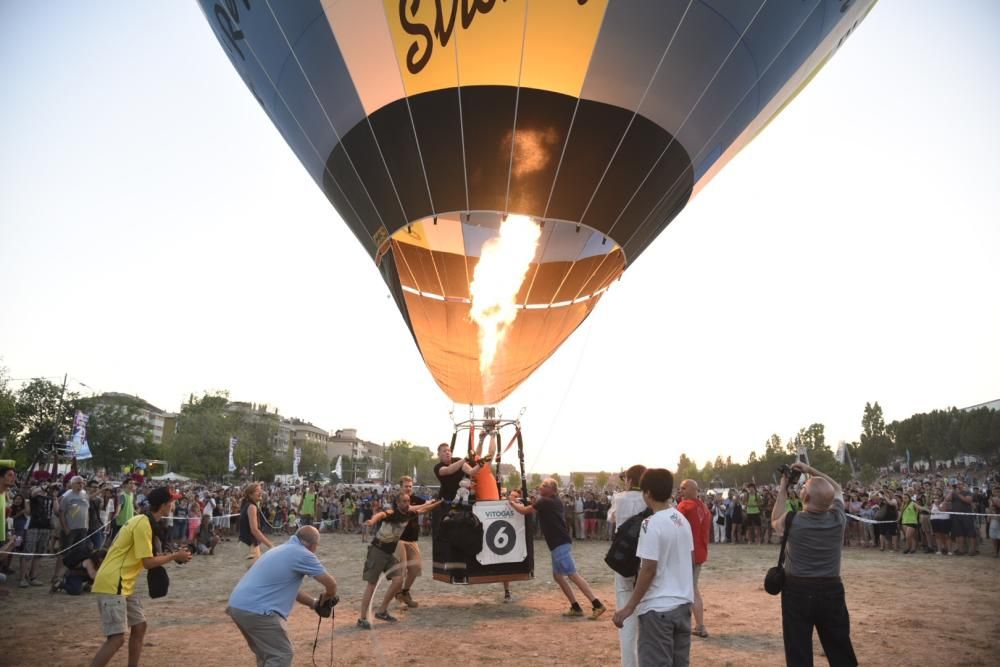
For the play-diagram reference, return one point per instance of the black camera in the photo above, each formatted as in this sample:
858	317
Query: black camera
787	471
325	608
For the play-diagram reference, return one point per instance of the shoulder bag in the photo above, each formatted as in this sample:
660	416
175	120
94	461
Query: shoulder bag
774	580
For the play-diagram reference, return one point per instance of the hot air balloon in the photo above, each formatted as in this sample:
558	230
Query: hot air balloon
504	161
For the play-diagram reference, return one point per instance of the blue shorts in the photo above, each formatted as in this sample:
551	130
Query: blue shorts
562	560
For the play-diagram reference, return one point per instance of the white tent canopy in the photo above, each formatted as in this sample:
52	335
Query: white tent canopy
172	477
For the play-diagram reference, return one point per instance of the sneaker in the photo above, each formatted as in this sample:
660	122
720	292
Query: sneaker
385	616
24	584
596	612
507	597
364	624
405	598
36	582
574	612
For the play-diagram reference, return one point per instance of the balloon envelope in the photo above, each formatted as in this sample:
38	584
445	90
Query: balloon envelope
425	123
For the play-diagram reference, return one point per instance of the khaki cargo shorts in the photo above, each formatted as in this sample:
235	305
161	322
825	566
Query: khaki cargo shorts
119	612
377	562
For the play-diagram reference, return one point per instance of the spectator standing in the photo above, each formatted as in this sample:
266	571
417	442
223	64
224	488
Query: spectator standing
131	552
754	503
664	588
700	520
250	532
36	539
813	593
625	505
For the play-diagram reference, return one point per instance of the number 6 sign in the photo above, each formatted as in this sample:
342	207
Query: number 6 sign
503	533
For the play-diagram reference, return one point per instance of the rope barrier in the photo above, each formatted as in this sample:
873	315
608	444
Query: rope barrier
866	520
58	553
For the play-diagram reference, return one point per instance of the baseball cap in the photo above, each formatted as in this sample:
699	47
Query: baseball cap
161	495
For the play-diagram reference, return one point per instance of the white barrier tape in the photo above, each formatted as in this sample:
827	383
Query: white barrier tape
192	518
864	520
58	553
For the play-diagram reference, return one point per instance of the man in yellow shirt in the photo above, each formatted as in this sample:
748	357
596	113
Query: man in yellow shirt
131	553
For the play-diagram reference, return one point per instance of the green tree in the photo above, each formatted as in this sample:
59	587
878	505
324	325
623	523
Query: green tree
43	416
876	446
117	431
514	481
558	479
602	479
686	469
9	425
577	479
313	463
536	479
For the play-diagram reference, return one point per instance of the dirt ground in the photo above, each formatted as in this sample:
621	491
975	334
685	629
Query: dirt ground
931	610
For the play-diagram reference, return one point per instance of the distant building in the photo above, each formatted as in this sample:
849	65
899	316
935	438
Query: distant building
345	442
162	424
991	405
302	433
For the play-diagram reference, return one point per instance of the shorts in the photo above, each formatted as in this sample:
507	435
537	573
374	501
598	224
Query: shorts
378	561
753	520
562	560
695	574
962	526
408	554
119	612
941	526
37	540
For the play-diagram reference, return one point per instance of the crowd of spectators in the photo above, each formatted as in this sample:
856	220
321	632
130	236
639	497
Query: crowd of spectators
943	512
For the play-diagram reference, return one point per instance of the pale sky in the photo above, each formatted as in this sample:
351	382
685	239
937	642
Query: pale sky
158	237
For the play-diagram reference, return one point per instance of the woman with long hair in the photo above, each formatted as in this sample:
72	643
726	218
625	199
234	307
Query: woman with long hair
250	532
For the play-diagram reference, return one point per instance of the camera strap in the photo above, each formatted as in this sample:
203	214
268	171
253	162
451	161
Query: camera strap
319	623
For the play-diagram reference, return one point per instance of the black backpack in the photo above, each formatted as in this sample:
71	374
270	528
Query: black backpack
621	554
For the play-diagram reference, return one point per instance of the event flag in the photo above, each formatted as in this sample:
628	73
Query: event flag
232	448
337	469
295	461
414	474
78	440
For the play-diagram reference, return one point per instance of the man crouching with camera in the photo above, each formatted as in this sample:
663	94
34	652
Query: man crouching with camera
263	598
813	594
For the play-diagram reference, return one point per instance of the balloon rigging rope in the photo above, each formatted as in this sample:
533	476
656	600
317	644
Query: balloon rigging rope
649	86
673	138
708	143
308	139
517	101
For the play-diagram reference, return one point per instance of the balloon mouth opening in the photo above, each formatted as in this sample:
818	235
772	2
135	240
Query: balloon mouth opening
490	296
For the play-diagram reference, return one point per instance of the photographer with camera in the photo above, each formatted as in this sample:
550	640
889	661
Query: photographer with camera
263	598
813	593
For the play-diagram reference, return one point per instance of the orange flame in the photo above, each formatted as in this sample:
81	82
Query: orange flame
502	266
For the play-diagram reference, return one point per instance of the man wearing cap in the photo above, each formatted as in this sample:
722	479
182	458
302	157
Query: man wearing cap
131	553
263	598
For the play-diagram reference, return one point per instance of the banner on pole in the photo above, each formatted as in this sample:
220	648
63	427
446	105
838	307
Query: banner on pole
337	469
232	448
295	461
503	533
77	442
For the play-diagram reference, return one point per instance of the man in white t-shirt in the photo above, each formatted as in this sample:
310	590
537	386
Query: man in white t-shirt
624	506
664	589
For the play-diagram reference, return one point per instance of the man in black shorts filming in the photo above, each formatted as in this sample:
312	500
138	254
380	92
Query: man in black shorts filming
813	594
